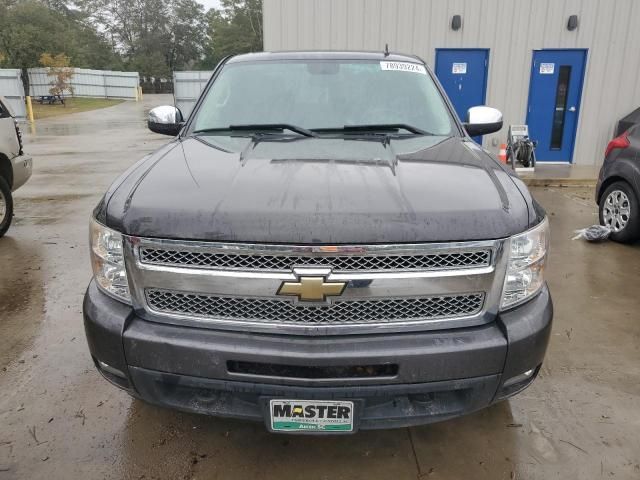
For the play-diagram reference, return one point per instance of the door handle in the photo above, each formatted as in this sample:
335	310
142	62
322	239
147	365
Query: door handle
572	109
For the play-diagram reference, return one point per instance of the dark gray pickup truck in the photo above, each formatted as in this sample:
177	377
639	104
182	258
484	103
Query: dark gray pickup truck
321	247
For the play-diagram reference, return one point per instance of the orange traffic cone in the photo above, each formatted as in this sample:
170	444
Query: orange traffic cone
502	154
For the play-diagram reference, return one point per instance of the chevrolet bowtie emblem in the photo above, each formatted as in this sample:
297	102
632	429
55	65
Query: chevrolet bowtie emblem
312	289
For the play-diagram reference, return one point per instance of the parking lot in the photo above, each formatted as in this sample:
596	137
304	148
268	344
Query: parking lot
60	419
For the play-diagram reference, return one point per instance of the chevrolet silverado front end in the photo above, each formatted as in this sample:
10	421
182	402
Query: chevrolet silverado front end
312	267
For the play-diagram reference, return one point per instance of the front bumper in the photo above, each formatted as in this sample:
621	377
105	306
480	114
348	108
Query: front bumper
439	375
22	168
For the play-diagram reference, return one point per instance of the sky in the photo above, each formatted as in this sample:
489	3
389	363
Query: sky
209	3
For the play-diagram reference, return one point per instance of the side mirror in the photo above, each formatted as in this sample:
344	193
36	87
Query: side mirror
482	120
166	120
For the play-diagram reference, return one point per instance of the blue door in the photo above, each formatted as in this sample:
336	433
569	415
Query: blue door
554	102
463	75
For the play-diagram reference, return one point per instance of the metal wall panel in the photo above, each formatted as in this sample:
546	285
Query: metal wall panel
12	90
511	29
187	87
89	83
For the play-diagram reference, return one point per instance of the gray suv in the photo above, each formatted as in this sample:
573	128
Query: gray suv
323	248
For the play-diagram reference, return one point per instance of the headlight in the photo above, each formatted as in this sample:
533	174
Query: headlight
525	270
107	260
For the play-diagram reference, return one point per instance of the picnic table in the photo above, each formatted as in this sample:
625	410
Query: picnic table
50	99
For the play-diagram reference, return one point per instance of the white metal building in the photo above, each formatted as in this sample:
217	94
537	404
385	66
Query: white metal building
568	68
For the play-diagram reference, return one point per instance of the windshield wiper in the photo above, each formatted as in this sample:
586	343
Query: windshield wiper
257	127
375	128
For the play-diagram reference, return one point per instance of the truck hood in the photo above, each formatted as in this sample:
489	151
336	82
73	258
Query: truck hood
318	190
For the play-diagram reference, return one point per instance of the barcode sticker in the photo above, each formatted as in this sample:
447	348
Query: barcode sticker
403	67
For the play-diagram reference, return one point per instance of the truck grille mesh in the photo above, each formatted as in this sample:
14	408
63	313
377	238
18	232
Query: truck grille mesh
339	263
340	312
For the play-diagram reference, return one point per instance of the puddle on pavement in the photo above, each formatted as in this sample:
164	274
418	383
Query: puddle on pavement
72	169
68	129
21	297
31	220
62	129
46	209
55	198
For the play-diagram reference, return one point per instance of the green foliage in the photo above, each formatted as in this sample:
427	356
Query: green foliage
153	37
188	29
235	28
29	28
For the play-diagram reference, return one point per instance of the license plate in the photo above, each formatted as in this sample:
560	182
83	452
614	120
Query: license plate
311	416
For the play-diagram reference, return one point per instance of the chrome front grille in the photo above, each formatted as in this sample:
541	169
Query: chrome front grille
235	286
353	312
339	263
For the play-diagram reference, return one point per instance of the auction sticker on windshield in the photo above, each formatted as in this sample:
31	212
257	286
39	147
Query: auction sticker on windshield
311	416
403	67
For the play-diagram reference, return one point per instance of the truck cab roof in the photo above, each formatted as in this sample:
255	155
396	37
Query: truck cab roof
325	55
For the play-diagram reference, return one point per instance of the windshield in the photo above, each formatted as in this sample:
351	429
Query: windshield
315	94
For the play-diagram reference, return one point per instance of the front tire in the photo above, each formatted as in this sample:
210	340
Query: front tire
620	211
6	206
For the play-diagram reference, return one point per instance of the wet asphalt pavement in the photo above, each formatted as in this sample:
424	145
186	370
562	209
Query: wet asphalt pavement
60	420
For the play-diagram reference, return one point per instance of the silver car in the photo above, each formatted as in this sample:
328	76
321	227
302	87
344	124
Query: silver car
15	166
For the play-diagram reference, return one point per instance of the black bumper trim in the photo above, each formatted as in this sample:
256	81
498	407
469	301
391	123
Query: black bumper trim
379	406
421	356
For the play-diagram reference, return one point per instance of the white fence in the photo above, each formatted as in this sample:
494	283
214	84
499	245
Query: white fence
12	90
89	83
187	87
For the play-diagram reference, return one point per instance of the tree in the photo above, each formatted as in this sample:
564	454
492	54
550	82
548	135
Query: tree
235	28
59	67
187	27
154	37
29	28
